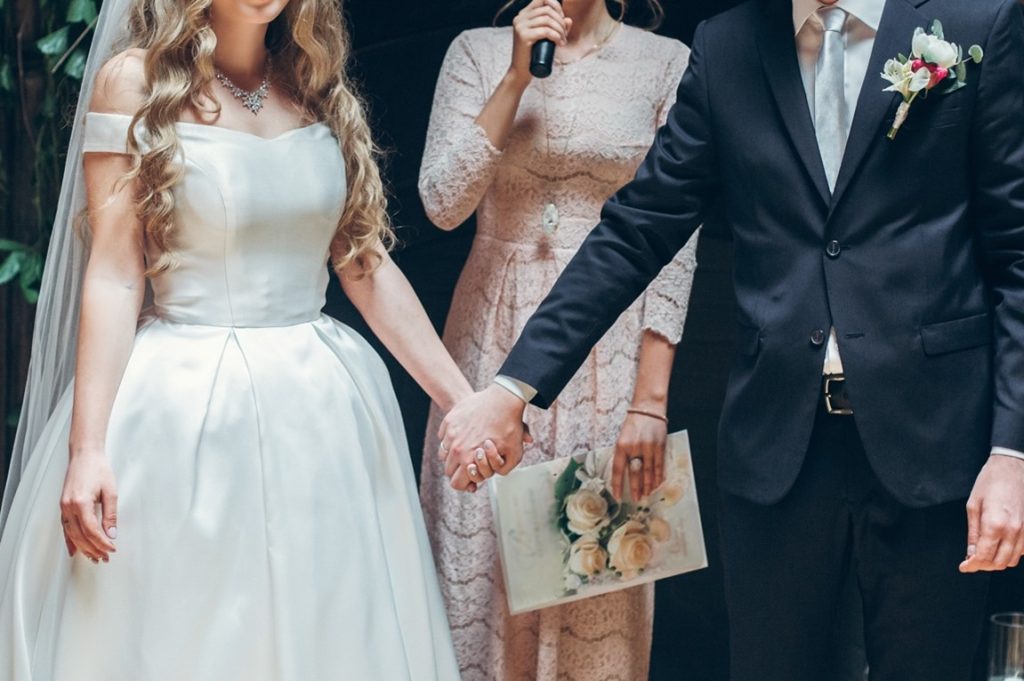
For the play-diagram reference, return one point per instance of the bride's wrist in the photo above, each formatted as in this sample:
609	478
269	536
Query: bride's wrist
454	396
86	450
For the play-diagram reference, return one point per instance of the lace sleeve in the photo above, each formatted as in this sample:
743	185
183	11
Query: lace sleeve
666	300
459	159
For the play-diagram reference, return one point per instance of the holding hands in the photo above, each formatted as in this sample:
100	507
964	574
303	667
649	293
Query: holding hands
483	435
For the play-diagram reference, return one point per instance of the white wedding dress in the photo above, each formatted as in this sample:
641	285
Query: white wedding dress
269	525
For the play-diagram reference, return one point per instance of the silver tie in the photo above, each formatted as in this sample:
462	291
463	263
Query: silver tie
830	93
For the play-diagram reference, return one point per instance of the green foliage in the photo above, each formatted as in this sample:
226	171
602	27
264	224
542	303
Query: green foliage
51	53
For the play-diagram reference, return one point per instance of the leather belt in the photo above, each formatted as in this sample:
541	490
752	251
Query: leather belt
837	400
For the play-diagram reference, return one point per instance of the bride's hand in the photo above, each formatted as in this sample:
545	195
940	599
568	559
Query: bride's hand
644	438
89	483
540	20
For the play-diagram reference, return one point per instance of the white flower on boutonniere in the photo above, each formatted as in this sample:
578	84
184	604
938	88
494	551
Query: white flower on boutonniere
934	64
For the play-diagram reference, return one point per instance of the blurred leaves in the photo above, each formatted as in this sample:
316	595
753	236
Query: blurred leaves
46	66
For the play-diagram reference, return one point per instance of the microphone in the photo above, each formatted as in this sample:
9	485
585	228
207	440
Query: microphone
542	58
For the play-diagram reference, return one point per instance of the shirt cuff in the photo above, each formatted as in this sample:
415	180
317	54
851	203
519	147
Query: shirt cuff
523	391
1006	451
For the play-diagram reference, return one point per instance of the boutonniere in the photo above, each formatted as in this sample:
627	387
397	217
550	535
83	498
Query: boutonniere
934	64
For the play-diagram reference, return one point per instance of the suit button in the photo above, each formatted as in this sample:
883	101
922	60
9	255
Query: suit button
817	337
833	249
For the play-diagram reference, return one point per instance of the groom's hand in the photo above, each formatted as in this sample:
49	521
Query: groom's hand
995	516
493	415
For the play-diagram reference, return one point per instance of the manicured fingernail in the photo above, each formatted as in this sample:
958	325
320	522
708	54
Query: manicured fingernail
971	550
480	455
112	533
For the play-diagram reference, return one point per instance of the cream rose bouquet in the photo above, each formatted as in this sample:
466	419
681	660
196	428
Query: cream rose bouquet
606	539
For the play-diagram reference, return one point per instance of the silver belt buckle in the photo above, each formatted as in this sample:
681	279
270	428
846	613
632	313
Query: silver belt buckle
836	411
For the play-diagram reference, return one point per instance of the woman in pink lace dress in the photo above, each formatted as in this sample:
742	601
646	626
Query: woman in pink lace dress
536	159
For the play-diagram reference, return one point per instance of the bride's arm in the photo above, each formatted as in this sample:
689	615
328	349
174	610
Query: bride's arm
112	294
390	306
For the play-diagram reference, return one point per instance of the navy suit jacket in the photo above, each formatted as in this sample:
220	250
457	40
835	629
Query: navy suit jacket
924	282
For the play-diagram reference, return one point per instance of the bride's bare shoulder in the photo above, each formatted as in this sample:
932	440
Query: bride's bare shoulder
120	85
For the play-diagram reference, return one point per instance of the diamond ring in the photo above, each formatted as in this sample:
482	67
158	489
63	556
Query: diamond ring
636	464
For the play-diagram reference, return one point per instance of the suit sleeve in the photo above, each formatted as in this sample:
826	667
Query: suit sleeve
642	228
998	171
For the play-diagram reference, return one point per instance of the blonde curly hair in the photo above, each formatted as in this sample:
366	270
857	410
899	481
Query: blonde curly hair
310	48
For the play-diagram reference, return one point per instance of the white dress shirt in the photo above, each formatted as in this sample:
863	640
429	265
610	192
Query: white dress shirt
864	17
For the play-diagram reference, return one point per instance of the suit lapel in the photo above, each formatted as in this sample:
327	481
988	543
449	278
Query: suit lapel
875	108
777	45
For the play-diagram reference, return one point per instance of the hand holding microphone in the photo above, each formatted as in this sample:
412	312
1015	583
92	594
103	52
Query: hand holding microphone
538	29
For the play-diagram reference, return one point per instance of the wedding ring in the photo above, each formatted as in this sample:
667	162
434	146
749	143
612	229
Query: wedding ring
473	470
636	464
480	456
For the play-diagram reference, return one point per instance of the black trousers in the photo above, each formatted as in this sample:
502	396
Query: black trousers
786	565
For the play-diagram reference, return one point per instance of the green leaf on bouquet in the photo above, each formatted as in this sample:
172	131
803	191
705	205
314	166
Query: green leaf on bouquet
566	483
952	87
903	58
977	54
11	266
75	65
937	30
54	43
961	72
81	10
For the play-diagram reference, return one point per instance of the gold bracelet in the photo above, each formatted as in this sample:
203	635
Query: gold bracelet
644	412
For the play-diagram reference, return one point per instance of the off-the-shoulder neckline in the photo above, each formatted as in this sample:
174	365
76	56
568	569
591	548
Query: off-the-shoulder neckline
231	131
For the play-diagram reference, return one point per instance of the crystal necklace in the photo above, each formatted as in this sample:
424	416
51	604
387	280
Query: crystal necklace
251	100
550	217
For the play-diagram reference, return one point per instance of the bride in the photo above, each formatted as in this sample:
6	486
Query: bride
223	491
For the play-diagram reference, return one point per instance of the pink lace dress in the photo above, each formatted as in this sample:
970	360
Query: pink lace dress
579	136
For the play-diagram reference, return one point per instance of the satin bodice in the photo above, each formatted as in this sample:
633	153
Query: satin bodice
255	218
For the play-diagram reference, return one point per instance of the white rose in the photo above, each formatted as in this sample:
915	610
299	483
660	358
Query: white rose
587	511
660	530
631	549
586	557
941	53
921	42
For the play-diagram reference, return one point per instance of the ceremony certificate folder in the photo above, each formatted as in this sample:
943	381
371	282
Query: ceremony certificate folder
563	536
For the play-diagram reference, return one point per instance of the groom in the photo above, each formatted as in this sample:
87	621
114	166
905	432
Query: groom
878	381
